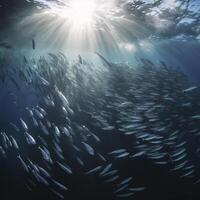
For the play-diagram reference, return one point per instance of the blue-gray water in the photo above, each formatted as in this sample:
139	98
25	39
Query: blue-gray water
107	109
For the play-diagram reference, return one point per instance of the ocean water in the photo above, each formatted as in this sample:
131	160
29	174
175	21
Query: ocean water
99	100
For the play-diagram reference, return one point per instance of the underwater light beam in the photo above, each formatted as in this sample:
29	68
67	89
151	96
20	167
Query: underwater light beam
80	25
83	26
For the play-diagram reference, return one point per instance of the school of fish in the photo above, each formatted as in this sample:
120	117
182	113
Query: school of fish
92	126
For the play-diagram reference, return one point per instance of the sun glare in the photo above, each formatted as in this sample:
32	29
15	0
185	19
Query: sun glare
82	25
80	12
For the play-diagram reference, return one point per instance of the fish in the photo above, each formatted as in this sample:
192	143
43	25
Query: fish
122	155
45	154
39	114
35	123
118	151
139	189
61	186
111	179
15	145
66	131
65	168
80	161
24	125
190	89
62	97
2	152
23	164
127	180
44	172
125	195
80	59
33	44
30	140
106	169
14	127
121	188
89	149
92	171
196	117
44	128
57	194
110	173
57	131
138	154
